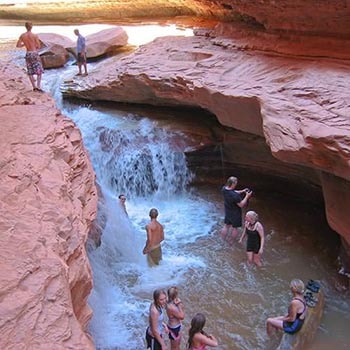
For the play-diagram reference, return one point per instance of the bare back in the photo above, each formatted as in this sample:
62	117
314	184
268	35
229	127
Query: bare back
155	233
29	40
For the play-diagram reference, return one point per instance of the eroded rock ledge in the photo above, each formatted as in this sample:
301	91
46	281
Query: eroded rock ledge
48	201
298	105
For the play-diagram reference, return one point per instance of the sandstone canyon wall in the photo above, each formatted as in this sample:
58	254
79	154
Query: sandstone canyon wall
48	201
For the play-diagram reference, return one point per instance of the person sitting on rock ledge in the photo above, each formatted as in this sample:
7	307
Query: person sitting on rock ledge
292	322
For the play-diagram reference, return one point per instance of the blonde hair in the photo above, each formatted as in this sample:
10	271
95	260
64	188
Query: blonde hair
297	285
172	293
253	215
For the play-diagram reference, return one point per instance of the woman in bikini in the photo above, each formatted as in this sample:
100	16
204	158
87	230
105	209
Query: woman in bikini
292	322
256	238
198	339
175	312
156	328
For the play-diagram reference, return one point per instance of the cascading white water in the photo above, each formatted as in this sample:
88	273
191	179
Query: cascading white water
136	157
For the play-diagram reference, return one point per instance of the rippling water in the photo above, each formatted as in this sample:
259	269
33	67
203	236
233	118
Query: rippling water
132	154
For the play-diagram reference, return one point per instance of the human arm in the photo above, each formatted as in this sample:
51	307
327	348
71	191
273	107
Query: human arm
292	311
260	230
148	241
205	339
176	310
244	201
243	233
154	316
20	42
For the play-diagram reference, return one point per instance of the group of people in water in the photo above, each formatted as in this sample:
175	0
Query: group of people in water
234	201
31	42
171	304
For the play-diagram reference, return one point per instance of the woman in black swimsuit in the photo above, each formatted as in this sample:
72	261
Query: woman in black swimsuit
292	322
256	238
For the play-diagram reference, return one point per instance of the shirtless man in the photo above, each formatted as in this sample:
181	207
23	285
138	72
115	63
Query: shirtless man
155	235
33	61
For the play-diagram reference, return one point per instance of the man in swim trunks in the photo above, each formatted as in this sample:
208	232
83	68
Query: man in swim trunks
34	66
81	53
155	235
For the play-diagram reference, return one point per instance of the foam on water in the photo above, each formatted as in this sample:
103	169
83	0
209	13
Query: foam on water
123	281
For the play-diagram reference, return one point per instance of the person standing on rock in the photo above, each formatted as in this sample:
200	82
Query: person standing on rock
155	235
81	53
34	65
233	203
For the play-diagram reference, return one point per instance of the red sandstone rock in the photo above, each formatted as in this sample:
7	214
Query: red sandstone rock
299	105
48	202
315	17
54	56
104	41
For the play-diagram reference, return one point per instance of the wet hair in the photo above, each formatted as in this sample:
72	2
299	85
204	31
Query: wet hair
28	25
121	195
253	215
231	180
153	213
297	285
172	293
197	325
156	295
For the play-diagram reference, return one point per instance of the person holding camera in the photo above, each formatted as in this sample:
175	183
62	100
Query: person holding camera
256	238
233	203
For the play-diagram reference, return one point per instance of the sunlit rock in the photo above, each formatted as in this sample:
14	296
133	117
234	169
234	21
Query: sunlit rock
104	41
298	105
48	202
314	17
54	56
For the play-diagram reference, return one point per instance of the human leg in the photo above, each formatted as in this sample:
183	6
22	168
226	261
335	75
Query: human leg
225	231
257	260
175	337
85	68
32	81
38	81
250	258
274	323
234	234
152	343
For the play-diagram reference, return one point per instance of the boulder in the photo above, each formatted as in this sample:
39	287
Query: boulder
49	39
105	41
54	56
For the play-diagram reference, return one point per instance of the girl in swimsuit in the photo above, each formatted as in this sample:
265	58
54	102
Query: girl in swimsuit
154	336
198	339
292	322
175	312
256	238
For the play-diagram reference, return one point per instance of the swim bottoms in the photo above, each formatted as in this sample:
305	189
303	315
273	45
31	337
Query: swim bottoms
34	65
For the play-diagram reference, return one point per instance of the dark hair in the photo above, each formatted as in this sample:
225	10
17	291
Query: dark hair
153	213
197	324
121	195
28	25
